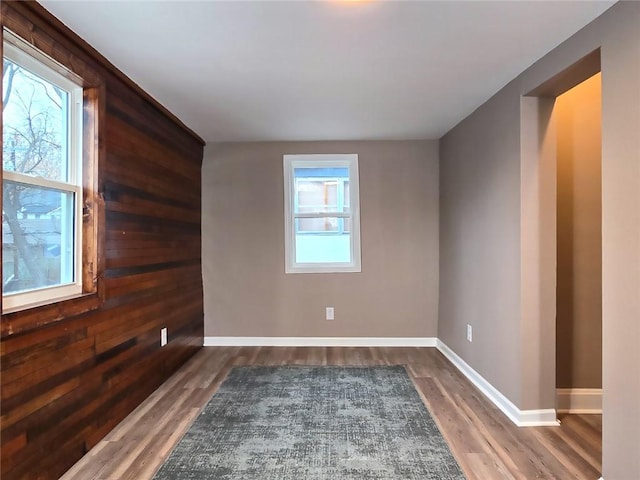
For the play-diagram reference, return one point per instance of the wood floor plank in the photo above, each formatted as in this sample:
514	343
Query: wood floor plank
484	441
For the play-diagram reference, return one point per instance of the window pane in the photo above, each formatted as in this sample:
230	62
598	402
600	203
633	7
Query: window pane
37	237
319	189
318	225
329	246
347	193
35	125
316	196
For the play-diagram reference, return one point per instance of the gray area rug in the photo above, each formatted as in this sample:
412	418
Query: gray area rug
318	423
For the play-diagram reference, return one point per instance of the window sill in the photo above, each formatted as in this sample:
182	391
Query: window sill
323	269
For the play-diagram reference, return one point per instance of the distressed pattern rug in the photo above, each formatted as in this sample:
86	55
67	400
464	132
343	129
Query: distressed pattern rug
316	423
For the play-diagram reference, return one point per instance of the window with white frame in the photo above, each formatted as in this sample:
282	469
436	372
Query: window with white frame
322	214
42	180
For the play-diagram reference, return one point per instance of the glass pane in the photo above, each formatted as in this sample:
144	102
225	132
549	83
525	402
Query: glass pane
319	189
37	237
35	125
317	225
327	246
347	193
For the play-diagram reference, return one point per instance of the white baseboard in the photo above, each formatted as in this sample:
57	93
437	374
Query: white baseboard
522	418
320	341
579	400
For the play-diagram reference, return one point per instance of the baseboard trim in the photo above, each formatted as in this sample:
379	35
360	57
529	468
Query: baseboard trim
522	418
579	400
320	341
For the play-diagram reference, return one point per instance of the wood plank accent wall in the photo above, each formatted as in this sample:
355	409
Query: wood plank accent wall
71	371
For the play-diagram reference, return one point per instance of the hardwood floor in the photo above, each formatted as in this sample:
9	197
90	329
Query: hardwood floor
486	444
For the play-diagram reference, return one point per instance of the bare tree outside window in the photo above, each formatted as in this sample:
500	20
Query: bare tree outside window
37	222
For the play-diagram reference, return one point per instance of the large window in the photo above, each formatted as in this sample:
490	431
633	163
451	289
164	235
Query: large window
42	180
322	222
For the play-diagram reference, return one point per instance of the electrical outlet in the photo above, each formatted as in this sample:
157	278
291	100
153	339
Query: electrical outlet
163	337
470	333
329	314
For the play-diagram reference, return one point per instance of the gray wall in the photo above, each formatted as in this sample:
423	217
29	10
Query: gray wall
247	292
484	178
579	292
479	242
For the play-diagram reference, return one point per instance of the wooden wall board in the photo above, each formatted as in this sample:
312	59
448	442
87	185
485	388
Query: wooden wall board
70	372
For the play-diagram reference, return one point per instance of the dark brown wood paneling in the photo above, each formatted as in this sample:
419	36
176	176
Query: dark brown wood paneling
70	372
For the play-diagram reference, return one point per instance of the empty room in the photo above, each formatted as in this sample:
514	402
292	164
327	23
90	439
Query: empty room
286	240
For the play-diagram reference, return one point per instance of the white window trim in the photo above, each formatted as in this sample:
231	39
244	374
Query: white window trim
290	162
41	65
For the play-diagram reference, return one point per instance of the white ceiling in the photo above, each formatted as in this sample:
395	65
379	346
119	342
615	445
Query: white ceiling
324	70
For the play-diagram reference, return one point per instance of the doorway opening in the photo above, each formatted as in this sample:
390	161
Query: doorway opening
562	248
579	248
578	115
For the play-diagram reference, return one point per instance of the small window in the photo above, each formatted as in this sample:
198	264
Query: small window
322	216
42	182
